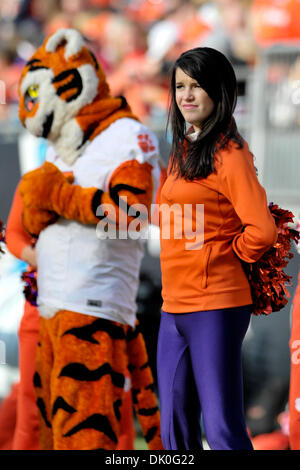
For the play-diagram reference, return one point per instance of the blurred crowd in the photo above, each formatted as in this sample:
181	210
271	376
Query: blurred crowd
137	40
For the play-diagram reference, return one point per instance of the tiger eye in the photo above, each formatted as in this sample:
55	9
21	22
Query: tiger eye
33	91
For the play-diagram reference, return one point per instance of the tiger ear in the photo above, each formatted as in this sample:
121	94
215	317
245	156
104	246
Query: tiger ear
70	38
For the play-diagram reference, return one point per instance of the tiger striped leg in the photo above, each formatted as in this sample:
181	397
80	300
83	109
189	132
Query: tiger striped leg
41	381
87	381
127	431
144	398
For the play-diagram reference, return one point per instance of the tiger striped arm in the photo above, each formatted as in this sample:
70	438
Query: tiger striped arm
48	189
129	196
35	220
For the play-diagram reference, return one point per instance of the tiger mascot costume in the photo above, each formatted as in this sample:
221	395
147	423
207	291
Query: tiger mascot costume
100	156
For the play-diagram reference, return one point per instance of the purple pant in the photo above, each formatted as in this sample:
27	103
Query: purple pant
199	370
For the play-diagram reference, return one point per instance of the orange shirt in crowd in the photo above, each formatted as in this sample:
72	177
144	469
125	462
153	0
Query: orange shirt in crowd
237	225
275	21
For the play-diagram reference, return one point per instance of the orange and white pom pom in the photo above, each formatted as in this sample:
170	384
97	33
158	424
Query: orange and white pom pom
267	278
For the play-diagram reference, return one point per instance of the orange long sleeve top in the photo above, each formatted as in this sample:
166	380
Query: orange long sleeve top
237	225
15	235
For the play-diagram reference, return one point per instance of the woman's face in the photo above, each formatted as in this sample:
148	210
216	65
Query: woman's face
193	102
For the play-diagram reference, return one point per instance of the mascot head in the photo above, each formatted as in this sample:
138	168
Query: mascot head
64	96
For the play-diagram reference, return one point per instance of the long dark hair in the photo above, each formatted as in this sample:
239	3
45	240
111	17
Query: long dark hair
215	74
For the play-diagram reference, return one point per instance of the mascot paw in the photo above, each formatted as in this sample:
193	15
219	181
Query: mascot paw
37	186
35	220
